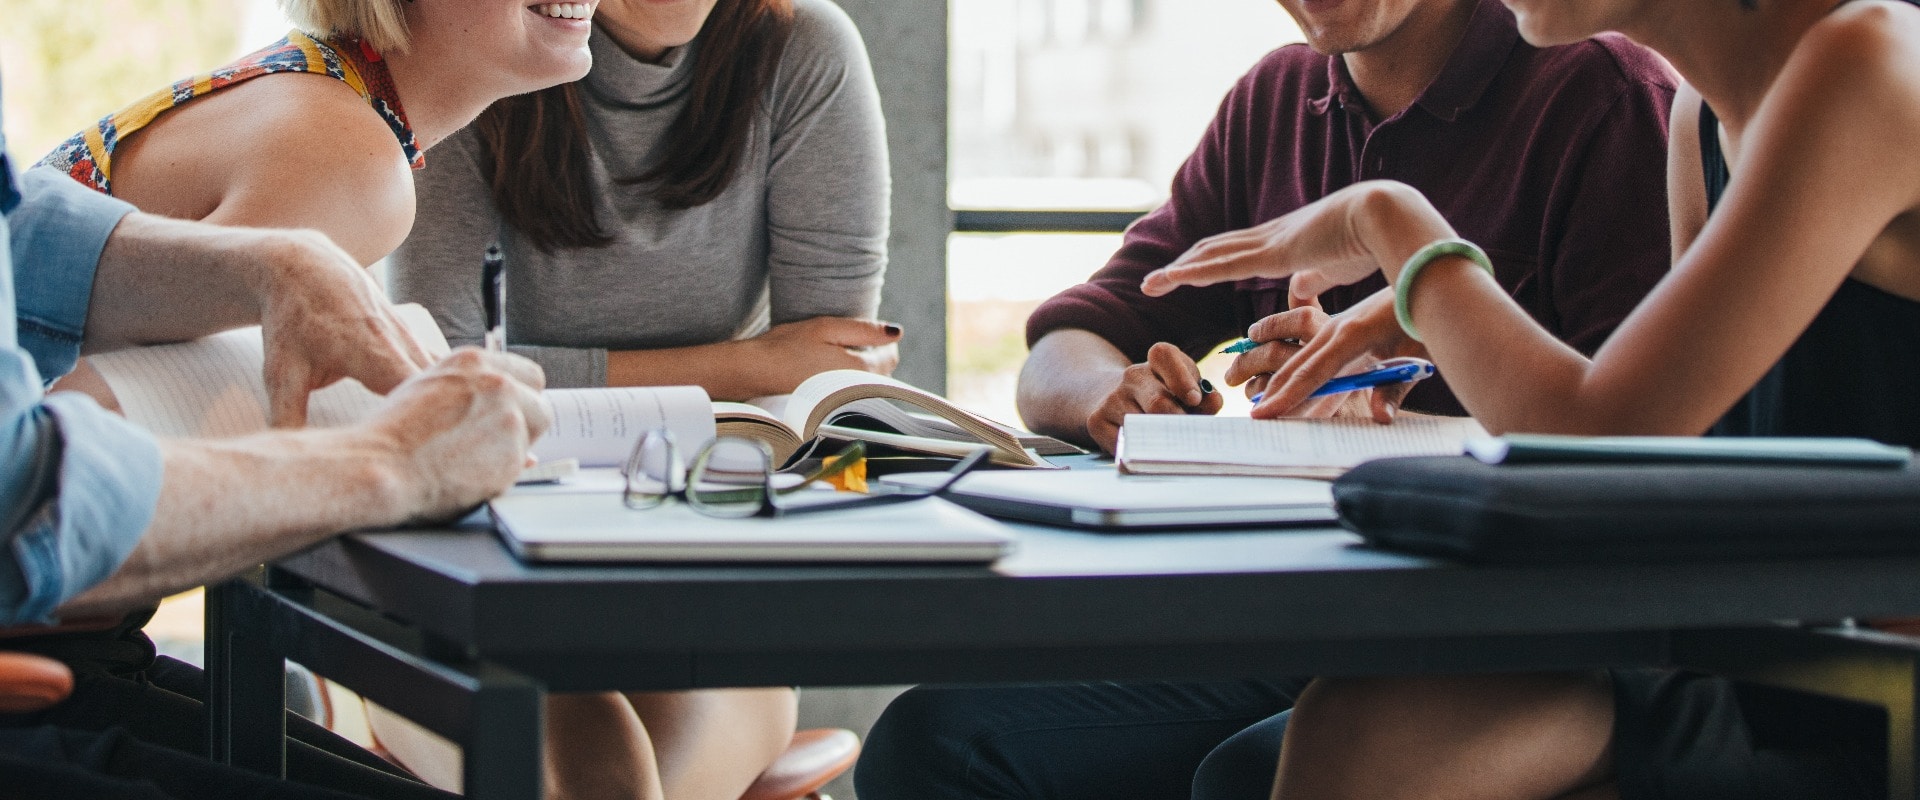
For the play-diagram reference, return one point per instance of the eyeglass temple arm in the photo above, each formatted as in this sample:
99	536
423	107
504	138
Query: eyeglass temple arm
959	470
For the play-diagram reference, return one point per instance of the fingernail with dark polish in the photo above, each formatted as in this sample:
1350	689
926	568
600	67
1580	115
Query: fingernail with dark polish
893	330
1206	386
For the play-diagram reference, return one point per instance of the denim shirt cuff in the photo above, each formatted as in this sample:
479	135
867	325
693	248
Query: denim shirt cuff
57	234
108	484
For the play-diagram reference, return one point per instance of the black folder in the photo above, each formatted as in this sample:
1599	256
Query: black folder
1461	508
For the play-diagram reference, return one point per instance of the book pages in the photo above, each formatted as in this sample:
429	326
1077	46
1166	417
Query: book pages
821	396
213	387
1194	444
600	426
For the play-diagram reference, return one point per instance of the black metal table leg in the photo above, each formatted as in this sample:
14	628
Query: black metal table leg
494	713
246	688
503	758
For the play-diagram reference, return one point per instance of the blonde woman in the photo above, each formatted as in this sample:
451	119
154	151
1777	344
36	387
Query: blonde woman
320	131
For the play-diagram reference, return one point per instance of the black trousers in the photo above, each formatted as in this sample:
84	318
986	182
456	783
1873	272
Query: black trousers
1140	741
132	713
58	764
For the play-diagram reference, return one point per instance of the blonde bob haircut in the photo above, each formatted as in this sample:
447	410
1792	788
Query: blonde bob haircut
379	23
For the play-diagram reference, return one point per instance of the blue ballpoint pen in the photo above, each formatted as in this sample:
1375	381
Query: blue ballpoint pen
1392	370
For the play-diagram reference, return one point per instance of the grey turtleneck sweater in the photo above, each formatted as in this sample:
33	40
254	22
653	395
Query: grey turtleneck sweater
800	232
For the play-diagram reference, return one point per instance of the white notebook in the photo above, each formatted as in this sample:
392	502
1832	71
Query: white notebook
1168	444
574	526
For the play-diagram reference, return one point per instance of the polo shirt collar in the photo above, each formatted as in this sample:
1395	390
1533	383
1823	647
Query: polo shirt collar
1476	61
1479	58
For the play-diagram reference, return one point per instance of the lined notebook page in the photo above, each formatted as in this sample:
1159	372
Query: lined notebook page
1319	447
212	387
599	426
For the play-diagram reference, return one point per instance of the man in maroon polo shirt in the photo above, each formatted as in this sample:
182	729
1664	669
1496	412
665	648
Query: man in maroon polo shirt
1553	158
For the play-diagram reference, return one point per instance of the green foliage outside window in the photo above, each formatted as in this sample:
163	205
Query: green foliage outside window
65	64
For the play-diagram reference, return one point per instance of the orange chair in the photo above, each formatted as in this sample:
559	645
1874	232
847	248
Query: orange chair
812	760
813	757
30	683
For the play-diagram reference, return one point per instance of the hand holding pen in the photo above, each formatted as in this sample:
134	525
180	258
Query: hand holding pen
1294	354
1168	382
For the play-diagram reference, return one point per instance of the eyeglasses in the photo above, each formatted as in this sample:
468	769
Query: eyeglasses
734	477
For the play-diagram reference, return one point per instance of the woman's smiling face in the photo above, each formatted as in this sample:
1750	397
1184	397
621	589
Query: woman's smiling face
649	28
513	46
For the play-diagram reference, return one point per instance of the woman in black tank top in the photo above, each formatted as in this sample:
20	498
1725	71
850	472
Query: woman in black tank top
1789	311
1854	372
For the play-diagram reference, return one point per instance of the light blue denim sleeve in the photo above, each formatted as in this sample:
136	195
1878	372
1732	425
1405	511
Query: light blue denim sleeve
57	235
77	485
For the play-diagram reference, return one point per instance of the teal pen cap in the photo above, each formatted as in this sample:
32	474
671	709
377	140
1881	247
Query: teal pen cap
1245	345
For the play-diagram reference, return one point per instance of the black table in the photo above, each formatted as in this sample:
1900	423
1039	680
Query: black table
447	628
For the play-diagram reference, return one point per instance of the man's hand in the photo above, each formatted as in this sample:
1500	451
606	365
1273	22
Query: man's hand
323	318
1168	383
1351	341
459	431
1340	239
790	353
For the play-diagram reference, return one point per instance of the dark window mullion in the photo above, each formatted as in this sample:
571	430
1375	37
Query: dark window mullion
1009	221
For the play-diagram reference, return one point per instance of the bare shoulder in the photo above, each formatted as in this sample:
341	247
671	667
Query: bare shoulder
319	157
1866	48
1853	81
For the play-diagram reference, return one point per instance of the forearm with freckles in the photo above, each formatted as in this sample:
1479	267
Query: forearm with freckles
165	280
227	505
1066	378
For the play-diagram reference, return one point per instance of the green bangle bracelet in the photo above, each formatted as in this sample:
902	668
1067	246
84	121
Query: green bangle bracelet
1403	288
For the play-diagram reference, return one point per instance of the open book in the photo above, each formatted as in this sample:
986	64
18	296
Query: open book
1157	444
850	404
212	387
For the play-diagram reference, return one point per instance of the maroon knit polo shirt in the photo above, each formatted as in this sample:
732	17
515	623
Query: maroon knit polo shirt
1553	159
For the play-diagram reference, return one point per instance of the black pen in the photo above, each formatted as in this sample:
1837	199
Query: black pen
493	297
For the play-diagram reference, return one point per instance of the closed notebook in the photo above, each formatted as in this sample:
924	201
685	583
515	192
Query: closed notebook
576	526
1175	444
1107	500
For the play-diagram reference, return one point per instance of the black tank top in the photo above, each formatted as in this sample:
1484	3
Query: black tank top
1854	372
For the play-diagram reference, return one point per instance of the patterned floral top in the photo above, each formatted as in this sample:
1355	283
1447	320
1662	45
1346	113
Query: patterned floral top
88	156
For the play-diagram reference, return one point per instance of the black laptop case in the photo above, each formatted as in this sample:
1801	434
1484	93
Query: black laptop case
1459	507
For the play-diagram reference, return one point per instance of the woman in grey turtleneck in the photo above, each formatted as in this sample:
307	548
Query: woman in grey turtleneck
709	206
658	216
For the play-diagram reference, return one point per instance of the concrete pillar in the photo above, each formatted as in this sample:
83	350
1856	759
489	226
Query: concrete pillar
907	40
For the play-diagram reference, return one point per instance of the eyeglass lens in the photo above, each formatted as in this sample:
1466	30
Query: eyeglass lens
731	477
653	470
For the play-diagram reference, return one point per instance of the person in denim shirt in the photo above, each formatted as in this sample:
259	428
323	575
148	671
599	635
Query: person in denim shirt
98	520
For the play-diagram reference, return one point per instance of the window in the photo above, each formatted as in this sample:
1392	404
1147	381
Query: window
1063	128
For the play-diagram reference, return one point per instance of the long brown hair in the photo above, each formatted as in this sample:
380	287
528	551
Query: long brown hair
537	151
